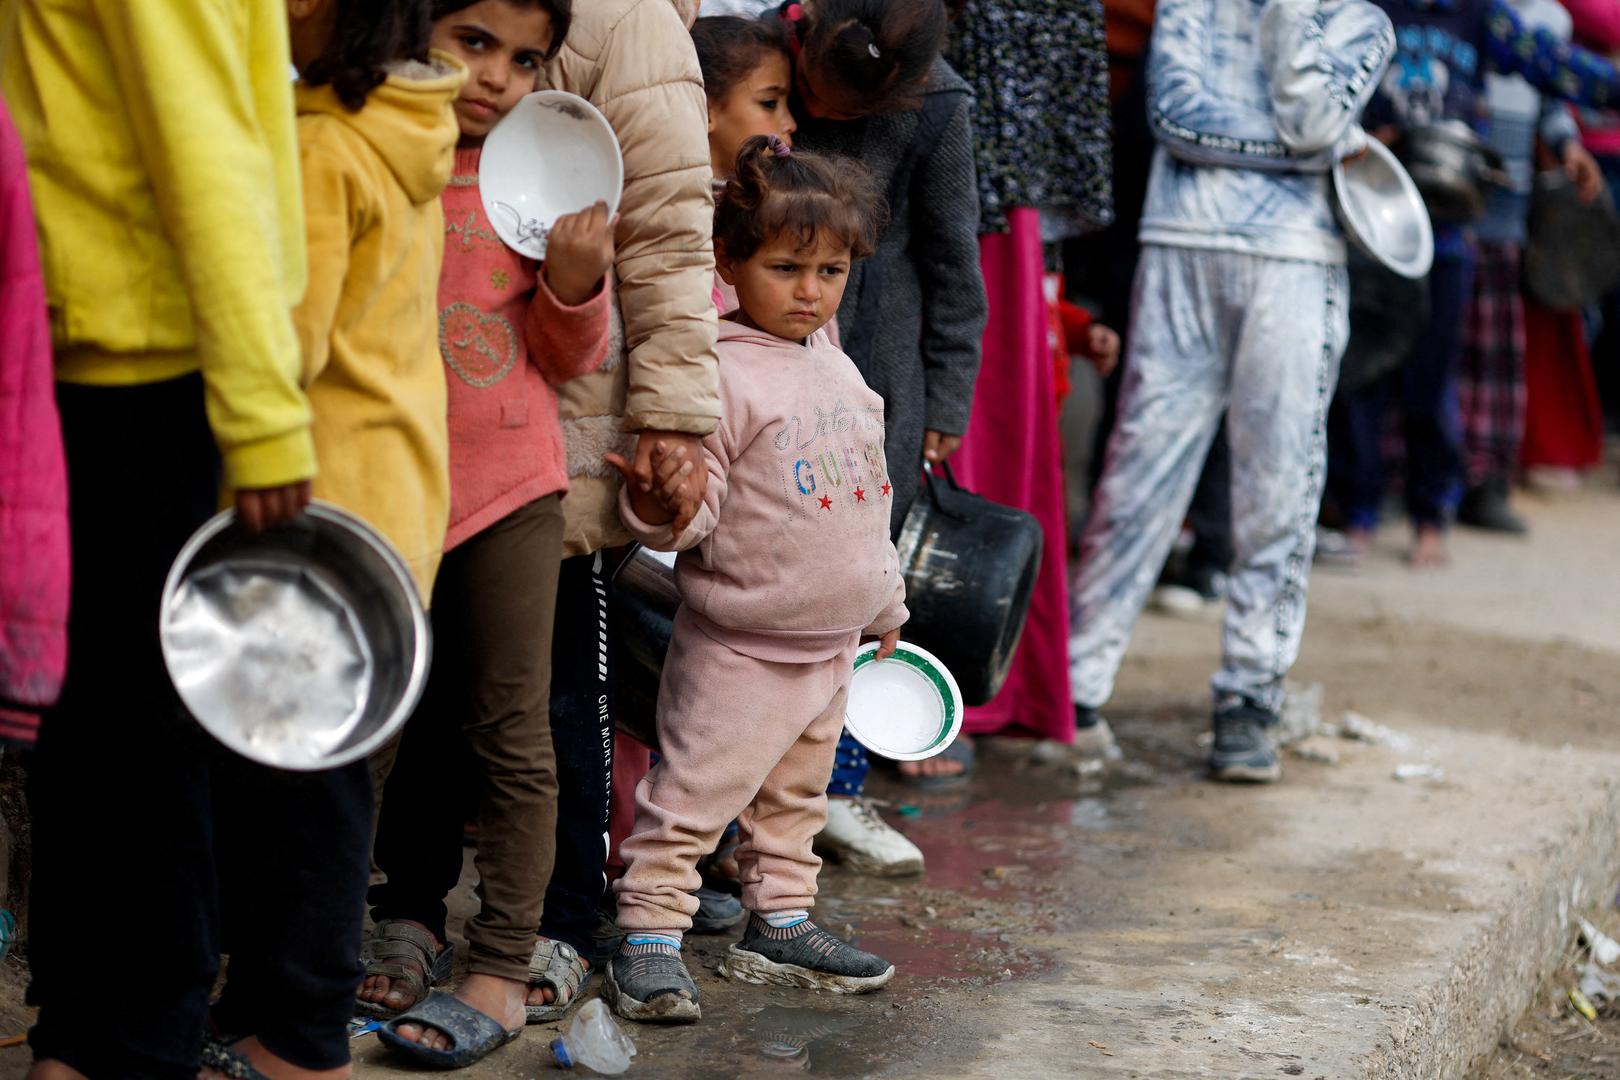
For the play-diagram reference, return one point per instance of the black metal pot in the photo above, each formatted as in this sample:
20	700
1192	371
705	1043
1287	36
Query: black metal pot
970	567
1452	168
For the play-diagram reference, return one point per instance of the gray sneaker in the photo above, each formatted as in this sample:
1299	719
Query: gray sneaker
650	983
806	956
717	912
1243	753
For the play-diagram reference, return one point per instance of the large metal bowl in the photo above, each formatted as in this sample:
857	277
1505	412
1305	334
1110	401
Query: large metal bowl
1382	212
305	647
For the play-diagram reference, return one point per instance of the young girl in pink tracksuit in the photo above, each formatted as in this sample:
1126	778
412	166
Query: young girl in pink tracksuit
785	566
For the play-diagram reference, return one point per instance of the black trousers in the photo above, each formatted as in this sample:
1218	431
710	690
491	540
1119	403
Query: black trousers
583	707
152	843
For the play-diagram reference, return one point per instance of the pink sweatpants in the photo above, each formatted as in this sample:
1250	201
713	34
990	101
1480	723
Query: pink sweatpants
741	738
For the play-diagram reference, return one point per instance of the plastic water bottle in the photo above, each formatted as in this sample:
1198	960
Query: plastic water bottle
594	1041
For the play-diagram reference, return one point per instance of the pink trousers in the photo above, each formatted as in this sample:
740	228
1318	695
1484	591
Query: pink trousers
742	739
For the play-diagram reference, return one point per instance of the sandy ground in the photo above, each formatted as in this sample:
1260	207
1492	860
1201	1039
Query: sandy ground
1153	924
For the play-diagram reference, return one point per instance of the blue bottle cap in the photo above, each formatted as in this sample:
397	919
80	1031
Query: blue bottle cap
559	1051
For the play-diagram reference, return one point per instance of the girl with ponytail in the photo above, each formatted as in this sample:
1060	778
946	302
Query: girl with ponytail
785	567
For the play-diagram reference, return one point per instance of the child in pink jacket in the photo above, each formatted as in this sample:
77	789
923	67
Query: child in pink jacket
33	474
785	566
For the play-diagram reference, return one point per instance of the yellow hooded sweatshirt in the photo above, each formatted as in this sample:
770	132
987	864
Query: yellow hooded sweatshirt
163	165
369	323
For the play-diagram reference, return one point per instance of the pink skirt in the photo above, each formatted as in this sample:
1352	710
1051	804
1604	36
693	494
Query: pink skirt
1011	454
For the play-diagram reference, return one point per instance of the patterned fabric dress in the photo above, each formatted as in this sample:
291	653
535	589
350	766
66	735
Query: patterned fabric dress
1039	72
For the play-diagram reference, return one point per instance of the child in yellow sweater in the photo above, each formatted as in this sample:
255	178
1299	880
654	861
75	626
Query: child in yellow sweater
378	146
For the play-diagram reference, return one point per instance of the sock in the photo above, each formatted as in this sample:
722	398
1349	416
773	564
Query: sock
784	920
655	939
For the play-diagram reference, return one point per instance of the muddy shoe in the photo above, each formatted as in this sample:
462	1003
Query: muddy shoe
1093	738
1243	753
861	840
648	982
804	955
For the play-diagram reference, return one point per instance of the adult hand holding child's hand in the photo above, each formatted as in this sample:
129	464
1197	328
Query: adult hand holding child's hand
662	495
579	251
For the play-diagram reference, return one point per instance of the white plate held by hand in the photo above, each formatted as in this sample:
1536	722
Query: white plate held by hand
553	154
907	707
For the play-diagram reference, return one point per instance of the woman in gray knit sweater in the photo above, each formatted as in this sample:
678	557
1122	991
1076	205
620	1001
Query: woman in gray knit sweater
913	314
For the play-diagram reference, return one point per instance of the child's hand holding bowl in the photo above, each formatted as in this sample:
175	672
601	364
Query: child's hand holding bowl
579	251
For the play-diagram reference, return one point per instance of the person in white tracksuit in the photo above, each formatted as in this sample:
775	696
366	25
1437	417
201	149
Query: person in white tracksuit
1240	308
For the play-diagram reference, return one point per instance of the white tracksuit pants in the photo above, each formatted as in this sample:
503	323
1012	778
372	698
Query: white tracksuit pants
1259	339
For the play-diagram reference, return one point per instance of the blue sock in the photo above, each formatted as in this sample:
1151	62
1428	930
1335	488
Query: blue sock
784	920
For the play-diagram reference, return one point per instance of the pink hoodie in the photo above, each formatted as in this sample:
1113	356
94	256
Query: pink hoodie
790	553
33	476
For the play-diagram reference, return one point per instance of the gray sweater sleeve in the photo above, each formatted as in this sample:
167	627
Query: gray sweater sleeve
945	239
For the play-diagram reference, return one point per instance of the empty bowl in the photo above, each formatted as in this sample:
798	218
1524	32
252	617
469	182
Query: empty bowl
304	647
553	154
907	707
1382	211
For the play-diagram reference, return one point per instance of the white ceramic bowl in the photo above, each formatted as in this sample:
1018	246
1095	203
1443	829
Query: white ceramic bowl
1382	211
907	707
553	154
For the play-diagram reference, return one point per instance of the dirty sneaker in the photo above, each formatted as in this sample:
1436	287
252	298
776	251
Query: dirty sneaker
717	912
857	838
1243	752
647	981
803	955
1093	738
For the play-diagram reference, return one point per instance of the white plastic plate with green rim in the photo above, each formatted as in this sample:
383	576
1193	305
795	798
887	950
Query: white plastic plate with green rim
907	707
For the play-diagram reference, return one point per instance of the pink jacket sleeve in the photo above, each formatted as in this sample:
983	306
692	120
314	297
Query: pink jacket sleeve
566	342
34	575
1597	23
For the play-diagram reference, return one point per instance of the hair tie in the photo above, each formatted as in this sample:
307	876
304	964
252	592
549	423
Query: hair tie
794	12
778	146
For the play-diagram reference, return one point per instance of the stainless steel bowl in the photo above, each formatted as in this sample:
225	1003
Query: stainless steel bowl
1382	212
305	647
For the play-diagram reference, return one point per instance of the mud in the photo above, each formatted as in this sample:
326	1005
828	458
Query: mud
1151	924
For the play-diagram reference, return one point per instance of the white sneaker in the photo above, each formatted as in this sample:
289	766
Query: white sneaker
1096	743
864	842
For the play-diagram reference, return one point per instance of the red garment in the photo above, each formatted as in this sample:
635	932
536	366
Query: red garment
1564	416
1011	454
1069	333
507	342
34	551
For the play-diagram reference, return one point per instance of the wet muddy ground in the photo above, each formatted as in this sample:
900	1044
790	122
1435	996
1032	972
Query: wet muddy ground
1152	924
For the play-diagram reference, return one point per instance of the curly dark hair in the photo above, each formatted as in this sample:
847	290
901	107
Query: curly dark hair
367	36
777	192
877	52
561	12
730	47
